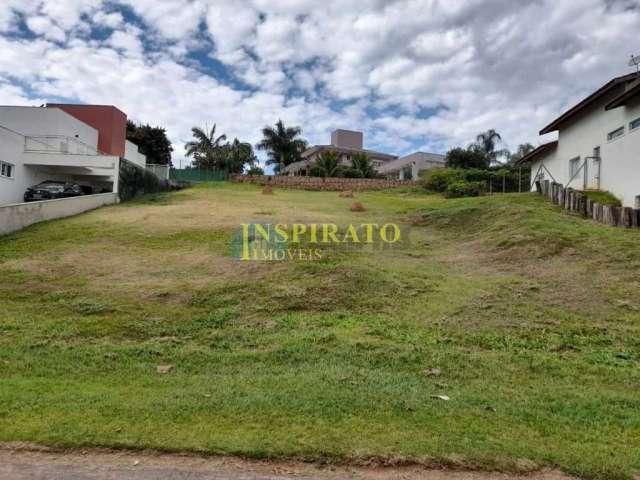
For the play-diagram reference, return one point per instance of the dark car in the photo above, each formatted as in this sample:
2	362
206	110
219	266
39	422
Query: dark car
52	189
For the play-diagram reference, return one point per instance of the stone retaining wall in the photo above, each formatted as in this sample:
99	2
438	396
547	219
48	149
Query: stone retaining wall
319	183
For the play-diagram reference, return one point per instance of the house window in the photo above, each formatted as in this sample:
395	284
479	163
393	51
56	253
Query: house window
618	132
6	170
574	166
634	124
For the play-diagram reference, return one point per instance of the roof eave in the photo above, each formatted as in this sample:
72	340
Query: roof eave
555	125
533	155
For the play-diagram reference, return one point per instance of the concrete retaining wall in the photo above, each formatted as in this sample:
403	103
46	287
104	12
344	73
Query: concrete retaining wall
20	215
318	183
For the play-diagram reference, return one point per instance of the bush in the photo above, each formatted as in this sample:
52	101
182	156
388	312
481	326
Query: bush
463	188
437	180
351	173
493	179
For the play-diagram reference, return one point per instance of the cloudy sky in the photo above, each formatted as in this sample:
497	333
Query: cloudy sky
412	74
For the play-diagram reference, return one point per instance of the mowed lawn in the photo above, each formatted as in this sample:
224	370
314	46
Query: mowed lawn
527	318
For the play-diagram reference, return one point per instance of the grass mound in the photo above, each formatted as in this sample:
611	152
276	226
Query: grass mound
603	198
526	225
528	315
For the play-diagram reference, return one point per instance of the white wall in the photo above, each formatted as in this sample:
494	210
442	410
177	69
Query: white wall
620	158
132	154
410	166
11	149
18	216
47	121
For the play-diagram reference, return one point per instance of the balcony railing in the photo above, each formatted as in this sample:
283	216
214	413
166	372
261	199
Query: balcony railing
57	144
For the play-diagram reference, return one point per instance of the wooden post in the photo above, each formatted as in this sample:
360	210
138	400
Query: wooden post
520	180
627	217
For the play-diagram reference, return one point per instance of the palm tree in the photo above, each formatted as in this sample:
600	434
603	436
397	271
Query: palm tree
237	155
206	149
327	165
361	163
487	142
282	144
523	150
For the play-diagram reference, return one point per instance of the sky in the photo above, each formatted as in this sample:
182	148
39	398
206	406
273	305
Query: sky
412	75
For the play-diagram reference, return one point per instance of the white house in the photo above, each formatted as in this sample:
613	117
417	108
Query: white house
598	145
74	143
410	166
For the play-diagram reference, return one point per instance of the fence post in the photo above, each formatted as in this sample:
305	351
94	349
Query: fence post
520	180
627	217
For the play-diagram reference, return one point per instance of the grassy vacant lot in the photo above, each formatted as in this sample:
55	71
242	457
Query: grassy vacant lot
532	317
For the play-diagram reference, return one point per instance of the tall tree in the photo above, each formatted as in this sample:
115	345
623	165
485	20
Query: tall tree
361	163
152	142
470	157
523	150
206	149
237	155
282	145
488	143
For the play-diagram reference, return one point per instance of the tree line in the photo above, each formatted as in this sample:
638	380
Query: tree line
285	145
485	153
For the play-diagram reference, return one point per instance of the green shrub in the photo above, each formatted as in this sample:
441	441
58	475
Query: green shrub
351	173
463	188
437	180
495	178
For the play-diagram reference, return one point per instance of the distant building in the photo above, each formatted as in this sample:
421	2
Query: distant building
410	166
347	143
598	143
80	144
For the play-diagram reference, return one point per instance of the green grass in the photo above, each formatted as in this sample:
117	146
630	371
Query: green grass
603	198
530	314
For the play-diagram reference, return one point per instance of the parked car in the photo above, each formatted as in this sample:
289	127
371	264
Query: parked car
52	189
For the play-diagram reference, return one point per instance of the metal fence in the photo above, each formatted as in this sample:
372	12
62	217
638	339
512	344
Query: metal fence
160	171
197	176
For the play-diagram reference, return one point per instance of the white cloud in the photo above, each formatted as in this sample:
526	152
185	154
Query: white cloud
111	19
42	25
511	65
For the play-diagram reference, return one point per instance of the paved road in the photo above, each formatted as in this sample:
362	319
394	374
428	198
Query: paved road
21	464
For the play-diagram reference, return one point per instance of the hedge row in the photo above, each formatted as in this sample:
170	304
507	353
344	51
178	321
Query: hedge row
472	182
